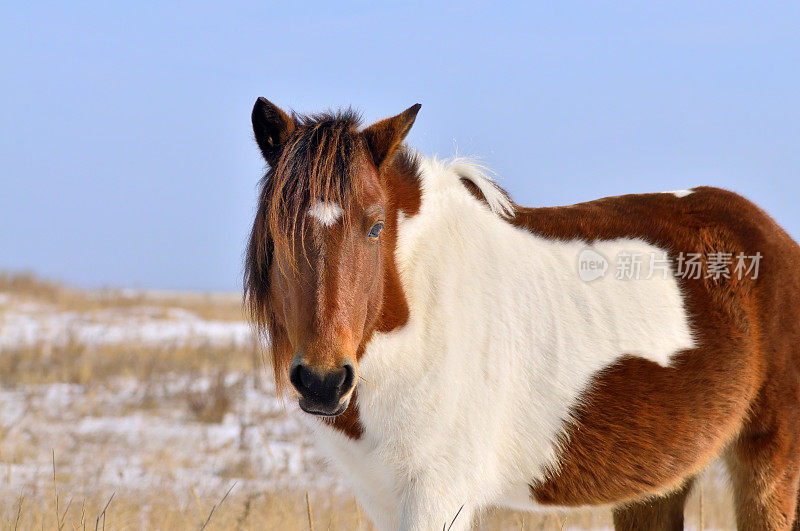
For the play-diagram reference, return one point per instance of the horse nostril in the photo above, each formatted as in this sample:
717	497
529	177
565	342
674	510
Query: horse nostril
301	378
349	377
338	378
306	378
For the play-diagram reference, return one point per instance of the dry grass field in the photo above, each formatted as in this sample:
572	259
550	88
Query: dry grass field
124	409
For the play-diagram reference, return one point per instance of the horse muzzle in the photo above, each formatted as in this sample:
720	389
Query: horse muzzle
323	393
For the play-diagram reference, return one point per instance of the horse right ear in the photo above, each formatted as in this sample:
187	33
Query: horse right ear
272	128
385	137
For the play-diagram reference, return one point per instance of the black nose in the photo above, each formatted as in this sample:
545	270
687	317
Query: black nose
321	392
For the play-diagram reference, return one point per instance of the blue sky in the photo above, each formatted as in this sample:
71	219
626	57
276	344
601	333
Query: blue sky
127	157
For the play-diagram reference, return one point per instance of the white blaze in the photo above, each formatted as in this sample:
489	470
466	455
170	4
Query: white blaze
326	213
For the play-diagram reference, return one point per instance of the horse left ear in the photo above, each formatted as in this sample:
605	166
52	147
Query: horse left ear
384	137
272	128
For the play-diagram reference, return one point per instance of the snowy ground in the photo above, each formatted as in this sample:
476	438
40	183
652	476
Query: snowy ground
30	323
133	435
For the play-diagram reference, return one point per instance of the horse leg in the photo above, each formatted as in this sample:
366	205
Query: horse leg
663	513
427	504
764	463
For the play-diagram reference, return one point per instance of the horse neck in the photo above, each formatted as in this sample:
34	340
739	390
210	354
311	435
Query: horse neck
450	255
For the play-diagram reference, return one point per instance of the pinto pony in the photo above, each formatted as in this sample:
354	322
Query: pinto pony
454	351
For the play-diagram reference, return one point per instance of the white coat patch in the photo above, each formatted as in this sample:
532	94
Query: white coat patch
326	213
681	193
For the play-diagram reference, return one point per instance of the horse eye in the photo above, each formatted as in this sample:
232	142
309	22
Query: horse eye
375	231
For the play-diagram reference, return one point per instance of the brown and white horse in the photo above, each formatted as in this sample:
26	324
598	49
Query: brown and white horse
456	351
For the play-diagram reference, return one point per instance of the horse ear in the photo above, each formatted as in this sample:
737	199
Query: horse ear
272	128
384	137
